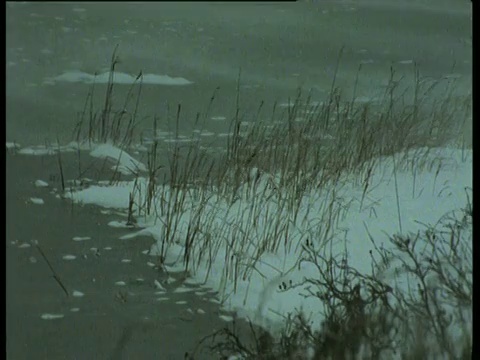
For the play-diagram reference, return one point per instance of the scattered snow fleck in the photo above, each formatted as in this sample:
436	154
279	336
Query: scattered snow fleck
145	252
37	150
121	283
77	293
119	78
108	248
32	259
126	261
69	257
180	302
158	285
150	264
200	293
12	145
200	311
207	133
406	62
41	183
51	316
24	245
218	118
452	76
226	318
118	224
182	290
163	299
79	10
37	201
81	238
191	281
75	309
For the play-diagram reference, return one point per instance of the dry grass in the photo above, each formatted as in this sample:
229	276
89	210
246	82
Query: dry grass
251	198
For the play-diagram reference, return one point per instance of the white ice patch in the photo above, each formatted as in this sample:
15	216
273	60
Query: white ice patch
226	318
158	286
218	118
12	145
190	281
76	76
118	224
41	183
122	160
51	316
37	150
37	201
81	238
77	293
182	290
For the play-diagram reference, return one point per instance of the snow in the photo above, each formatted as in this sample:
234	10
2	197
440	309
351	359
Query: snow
77	293
51	316
124	163
81	238
37	201
75	76
41	183
397	201
12	145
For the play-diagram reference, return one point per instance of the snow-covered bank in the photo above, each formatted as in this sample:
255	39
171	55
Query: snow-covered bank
249	250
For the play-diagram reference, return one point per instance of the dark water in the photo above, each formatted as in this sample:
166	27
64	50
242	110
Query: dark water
278	46
113	322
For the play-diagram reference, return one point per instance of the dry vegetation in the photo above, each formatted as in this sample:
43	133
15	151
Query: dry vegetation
270	167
